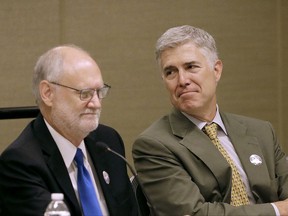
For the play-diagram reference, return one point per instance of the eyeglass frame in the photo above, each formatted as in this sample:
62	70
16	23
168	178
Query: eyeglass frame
80	91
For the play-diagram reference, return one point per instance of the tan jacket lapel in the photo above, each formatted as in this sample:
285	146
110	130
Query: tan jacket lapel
200	145
245	146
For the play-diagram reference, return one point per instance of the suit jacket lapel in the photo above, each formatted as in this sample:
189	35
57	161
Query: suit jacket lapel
245	146
199	144
100	160
54	160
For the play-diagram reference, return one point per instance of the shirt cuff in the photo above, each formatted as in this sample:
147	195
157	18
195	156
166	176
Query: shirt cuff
275	209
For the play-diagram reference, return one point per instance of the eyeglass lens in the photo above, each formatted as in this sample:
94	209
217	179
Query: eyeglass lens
87	94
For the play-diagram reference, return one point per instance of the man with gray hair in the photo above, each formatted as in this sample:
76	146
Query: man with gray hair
199	160
58	153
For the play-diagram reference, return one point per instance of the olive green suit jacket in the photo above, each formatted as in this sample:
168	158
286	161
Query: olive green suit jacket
183	173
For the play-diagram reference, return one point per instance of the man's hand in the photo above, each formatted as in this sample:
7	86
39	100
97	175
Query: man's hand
282	207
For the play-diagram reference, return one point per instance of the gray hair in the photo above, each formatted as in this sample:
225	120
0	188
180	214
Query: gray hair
179	35
50	66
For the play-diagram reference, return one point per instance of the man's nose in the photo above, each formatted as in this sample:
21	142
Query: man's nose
183	78
95	101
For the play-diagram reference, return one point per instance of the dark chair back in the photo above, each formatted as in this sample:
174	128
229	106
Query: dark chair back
140	197
19	112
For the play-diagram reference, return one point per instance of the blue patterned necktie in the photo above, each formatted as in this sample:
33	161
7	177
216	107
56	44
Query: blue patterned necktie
88	198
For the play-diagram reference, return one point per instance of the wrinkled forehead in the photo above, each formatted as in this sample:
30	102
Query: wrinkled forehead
193	50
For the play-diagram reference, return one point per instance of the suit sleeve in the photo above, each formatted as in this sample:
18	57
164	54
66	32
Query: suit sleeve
281	169
171	189
23	179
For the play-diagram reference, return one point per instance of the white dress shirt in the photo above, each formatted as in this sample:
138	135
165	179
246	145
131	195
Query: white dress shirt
68	152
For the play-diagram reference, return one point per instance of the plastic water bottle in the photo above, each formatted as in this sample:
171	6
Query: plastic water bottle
57	207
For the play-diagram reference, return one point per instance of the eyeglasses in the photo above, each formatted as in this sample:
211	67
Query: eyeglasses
87	94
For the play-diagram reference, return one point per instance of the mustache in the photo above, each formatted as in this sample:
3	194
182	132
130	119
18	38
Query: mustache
92	111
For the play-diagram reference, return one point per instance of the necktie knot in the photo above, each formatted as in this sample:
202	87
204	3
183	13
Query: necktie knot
211	130
79	157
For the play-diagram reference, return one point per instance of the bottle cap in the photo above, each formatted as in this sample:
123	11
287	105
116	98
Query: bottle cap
57	196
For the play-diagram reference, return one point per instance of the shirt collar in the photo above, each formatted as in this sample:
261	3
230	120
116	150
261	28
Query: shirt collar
200	124
66	148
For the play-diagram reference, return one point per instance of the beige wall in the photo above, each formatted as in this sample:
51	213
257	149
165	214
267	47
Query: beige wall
252	37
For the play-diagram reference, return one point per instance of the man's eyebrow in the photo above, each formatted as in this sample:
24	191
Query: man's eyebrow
169	67
191	62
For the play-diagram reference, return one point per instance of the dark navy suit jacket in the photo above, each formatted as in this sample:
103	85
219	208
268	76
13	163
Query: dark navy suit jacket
32	168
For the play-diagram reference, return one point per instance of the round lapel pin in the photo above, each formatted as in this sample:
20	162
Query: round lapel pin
106	177
255	159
